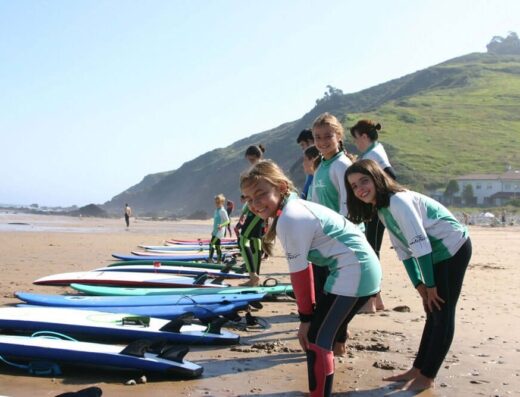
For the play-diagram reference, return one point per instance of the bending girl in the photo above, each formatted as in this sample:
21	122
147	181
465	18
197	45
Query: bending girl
310	232
435	249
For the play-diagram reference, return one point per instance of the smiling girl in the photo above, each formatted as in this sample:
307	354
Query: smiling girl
310	232
434	247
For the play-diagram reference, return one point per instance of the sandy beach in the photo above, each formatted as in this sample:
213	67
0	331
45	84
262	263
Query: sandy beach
484	359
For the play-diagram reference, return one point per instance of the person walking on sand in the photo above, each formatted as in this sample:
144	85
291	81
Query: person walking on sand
128	214
435	249
310	232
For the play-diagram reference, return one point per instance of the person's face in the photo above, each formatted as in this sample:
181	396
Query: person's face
262	198
308	165
252	159
362	141
218	203
363	187
305	144
326	141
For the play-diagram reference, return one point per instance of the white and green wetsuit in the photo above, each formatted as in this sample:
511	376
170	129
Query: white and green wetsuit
220	221
250	240
328	184
436	251
423	229
310	232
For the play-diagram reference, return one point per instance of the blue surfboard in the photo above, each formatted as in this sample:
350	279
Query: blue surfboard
76	301
140	355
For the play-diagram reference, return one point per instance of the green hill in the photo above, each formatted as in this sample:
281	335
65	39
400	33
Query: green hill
461	116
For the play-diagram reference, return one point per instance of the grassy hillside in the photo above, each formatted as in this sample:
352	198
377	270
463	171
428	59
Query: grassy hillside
447	131
458	117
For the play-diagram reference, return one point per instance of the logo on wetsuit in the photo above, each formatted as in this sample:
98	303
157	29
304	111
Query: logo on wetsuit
417	239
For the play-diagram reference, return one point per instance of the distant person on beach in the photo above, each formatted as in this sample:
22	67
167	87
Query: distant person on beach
310	232
365	134
128	214
328	188
305	139
230	205
220	222
435	249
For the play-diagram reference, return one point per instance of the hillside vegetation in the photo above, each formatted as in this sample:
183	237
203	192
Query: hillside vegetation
458	117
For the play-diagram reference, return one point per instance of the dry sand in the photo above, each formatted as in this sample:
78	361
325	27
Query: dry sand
484	359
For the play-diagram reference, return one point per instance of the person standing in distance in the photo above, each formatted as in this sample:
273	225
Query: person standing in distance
128	214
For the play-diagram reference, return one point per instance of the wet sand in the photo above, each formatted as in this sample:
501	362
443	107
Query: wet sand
484	359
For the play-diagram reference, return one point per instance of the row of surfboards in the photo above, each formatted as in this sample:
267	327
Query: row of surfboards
146	302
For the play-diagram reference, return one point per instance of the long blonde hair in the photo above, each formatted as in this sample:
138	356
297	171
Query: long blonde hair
270	172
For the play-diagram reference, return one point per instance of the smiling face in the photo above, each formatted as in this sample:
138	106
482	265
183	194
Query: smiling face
326	141
363	187
262	198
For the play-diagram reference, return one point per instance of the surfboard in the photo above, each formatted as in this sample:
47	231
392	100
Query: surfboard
281	289
202	312
200	241
203	265
181	270
185	247
156	257
96	324
141	355
127	279
125	301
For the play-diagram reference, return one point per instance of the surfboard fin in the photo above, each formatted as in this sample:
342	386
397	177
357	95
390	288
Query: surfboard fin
174	325
215	326
201	279
174	353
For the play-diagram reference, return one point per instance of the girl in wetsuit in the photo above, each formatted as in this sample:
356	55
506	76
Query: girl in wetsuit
328	187
310	232
435	249
365	134
220	221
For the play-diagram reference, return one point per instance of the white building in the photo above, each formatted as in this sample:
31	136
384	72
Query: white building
491	189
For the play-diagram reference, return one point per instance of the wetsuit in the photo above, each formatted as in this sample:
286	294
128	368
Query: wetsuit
310	232
229	209
250	240
435	249
374	229
306	187
220	221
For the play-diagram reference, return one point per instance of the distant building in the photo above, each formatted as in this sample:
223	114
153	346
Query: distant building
491	189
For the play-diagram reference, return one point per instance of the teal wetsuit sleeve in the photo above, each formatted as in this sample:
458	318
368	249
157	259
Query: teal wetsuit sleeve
413	271
426	265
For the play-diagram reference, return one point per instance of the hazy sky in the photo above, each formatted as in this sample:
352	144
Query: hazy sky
94	95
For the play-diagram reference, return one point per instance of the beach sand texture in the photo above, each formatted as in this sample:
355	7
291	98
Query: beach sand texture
484	359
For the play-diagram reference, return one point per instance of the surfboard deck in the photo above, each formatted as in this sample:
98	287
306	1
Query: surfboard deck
281	289
76	301
202	265
171	269
140	355
119	326
128	279
202	312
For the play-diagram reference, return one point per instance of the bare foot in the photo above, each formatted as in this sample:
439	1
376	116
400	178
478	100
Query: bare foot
253	281
340	349
412	373
369	307
419	383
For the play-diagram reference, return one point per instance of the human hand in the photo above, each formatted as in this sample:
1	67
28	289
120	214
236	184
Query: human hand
303	332
433	300
422	290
